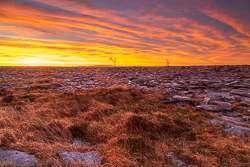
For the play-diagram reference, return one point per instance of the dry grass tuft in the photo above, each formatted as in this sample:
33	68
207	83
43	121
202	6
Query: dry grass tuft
128	127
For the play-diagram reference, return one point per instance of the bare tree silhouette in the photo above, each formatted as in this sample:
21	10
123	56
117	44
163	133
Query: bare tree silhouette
113	60
167	62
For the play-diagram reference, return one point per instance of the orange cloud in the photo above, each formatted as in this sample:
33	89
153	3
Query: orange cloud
50	32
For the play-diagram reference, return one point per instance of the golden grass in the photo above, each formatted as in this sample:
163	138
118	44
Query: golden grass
127	127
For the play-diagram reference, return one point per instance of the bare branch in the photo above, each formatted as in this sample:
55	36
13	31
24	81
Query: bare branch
113	60
167	62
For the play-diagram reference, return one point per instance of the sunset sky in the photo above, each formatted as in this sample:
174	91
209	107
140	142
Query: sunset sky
136	32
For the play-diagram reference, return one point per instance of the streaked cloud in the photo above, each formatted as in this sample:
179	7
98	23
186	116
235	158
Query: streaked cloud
142	32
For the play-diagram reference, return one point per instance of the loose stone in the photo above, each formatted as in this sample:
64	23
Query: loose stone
176	161
207	107
78	143
88	158
18	158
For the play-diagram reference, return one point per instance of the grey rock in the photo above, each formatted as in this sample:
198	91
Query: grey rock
221	103
181	105
25	87
169	100
207	107
176	86
241	86
177	99
219	122
219	96
184	99
232	129
176	161
232	83
206	100
88	158
18	158
57	84
247	100
196	87
7	83
231	114
132	78
233	119
238	130
240	92
78	143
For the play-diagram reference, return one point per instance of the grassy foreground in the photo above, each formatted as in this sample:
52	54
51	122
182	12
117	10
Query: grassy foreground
128	127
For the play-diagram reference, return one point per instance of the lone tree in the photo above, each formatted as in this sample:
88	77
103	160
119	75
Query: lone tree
167	62
113	60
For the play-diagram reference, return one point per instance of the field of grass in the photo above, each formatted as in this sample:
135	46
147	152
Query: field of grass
128	127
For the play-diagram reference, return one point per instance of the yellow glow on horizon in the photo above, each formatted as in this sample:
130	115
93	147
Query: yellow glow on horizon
60	53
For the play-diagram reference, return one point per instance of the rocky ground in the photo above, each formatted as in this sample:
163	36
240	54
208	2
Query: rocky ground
220	89
223	90
217	85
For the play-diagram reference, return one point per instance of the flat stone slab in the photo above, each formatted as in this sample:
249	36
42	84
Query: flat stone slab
88	158
233	119
79	143
238	130
216	121
177	99
184	99
231	128
176	161
208	107
240	92
218	96
221	103
18	158
25	87
206	100
247	100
